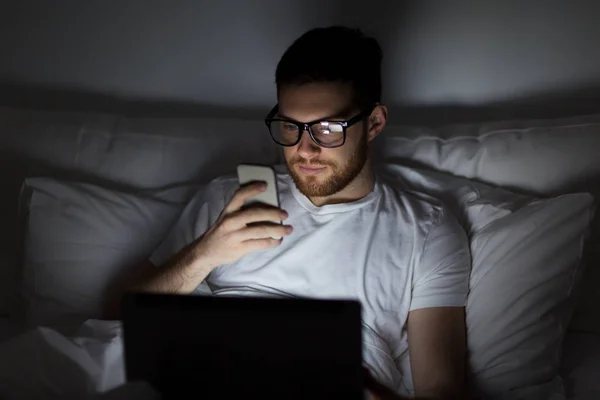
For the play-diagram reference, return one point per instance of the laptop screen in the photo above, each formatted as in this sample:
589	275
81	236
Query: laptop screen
229	347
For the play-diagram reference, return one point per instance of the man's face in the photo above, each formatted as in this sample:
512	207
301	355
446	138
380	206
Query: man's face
318	171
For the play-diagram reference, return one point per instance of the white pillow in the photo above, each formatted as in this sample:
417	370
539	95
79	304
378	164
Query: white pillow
117	152
526	254
80	239
543	157
139	152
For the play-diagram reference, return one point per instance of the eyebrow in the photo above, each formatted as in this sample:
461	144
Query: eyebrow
343	114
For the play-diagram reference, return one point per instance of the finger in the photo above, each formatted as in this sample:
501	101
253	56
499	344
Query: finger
260	244
263	232
240	219
244	193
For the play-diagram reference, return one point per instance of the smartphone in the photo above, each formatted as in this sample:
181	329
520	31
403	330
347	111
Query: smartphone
250	173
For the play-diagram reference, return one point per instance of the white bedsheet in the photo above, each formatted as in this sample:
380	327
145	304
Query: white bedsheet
87	363
44	364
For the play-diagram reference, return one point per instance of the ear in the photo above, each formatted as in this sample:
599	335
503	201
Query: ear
376	121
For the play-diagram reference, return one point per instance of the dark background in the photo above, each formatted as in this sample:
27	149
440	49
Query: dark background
444	60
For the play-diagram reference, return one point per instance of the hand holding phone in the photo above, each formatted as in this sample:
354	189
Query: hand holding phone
240	229
258	173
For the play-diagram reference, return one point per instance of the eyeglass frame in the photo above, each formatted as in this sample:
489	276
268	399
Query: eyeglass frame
306	126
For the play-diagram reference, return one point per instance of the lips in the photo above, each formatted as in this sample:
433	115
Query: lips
311	170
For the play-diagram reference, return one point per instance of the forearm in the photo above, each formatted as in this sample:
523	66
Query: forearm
180	275
442	392
381	392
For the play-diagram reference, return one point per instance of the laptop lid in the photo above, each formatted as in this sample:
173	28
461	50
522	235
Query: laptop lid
229	347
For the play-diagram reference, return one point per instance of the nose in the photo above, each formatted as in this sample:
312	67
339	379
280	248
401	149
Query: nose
307	148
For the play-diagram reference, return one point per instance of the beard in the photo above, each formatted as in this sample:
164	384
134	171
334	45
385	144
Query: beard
340	177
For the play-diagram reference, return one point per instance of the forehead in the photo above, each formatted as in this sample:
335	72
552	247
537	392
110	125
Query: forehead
313	101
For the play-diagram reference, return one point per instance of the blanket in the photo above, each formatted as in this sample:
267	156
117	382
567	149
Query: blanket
44	363
87	364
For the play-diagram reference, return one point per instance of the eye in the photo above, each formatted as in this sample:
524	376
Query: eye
329	128
289	127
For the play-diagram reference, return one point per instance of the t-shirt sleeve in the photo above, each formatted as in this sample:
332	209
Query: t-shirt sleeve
441	277
196	218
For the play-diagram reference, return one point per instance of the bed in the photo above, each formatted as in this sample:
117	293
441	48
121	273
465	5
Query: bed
112	185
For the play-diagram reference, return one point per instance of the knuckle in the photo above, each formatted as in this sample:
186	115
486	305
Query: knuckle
252	245
237	196
247	188
227	223
265	231
252	213
267	243
265	214
240	190
275	214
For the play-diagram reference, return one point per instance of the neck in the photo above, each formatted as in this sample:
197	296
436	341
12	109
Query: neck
360	186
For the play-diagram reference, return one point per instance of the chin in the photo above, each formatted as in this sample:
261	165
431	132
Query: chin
314	186
330	181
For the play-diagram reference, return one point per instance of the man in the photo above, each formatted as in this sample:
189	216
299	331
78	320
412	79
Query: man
346	234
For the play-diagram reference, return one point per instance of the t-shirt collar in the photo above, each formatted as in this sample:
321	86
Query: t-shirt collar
334	208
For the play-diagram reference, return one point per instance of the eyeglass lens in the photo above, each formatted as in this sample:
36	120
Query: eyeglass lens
325	133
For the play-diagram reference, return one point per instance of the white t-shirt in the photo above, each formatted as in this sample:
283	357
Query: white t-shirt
392	250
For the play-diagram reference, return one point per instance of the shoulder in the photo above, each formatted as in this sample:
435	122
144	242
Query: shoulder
223	186
214	194
423	210
431	223
220	190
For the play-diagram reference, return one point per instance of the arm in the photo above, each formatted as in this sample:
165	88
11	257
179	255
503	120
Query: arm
233	235
437	347
436	325
180	275
436	319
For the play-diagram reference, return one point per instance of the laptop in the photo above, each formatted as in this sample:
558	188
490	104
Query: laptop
211	347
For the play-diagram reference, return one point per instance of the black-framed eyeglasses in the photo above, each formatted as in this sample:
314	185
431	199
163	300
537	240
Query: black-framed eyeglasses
328	134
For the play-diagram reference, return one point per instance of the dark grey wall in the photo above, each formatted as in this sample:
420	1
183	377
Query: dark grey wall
487	51
222	54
